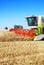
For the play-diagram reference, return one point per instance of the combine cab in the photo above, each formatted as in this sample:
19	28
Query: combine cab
36	23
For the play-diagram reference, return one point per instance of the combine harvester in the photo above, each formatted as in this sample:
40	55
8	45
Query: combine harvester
35	28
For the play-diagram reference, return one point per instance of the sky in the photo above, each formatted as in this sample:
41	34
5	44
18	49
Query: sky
13	12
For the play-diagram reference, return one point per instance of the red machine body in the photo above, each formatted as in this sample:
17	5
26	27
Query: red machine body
24	32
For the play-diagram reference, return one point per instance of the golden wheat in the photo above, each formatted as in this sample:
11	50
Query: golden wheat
22	53
5	35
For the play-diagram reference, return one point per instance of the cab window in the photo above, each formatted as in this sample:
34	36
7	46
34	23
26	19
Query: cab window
32	21
42	19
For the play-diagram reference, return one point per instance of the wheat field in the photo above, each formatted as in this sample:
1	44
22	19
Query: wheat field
22	53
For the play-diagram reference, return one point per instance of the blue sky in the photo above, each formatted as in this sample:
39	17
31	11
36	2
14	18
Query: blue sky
14	11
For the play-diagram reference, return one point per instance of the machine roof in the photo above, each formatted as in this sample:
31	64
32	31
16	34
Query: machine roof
34	16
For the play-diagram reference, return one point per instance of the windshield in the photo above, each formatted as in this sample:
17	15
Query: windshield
32	21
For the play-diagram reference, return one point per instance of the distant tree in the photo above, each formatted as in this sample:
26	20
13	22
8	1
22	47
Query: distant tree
6	27
18	26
